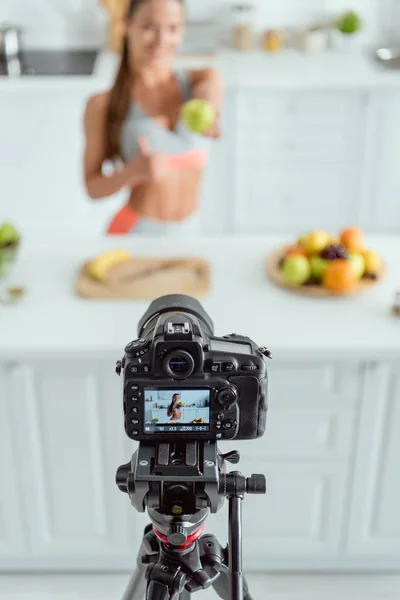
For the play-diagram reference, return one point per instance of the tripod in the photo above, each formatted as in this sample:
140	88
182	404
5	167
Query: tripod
180	483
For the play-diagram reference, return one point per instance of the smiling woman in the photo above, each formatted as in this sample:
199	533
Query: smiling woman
138	126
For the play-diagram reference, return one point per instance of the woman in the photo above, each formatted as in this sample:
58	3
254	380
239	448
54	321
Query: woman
137	124
172	410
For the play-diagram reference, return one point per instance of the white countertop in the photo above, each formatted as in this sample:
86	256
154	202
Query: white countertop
52	321
290	70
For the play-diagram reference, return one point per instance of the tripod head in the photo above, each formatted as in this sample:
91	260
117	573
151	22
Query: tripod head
180	483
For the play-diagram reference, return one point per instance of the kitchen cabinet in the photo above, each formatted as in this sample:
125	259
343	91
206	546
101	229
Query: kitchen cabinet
13	539
300	519
67	423
381	193
42	162
296	154
305	455
374	526
66	419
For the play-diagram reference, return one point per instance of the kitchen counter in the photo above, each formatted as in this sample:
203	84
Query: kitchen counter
52	321
332	439
289	70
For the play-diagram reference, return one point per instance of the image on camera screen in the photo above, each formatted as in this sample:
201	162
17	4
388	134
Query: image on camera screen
176	410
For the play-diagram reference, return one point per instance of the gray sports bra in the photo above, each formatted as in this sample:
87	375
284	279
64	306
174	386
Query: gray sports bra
138	123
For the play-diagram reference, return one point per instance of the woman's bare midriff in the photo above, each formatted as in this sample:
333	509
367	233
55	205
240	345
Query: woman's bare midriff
172	199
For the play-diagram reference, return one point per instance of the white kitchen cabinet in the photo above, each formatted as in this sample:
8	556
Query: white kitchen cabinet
380	210
332	491
67	421
300	517
13	538
375	510
296	157
42	177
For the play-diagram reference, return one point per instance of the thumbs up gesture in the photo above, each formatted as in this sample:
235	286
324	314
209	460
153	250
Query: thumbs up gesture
147	166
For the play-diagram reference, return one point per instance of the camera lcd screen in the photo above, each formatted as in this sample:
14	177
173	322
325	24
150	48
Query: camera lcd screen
174	410
221	346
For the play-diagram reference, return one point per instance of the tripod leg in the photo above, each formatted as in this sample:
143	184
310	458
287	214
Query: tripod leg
136	589
185	595
222	585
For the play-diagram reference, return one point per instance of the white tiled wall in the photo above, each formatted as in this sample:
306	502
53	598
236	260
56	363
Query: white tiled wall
390	20
61	21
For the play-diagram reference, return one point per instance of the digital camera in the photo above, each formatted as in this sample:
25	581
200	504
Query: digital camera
182	382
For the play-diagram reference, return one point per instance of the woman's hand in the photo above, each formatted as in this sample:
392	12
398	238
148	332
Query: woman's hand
215	130
148	167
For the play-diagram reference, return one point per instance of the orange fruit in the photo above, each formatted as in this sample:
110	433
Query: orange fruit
352	238
340	276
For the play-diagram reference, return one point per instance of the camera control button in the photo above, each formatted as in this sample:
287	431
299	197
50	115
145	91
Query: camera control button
227	424
215	367
134	369
135	398
220	416
135	432
145	368
135	421
227	397
228	366
135	410
133	387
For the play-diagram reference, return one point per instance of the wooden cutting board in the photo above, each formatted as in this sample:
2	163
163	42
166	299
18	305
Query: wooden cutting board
148	278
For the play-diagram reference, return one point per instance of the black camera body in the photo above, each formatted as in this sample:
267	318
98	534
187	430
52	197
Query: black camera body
180	381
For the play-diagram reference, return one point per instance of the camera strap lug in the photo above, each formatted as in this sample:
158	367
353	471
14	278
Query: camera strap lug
264	351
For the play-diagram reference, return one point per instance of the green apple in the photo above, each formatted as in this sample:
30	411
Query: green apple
357	261
349	23
198	115
296	269
318	267
8	234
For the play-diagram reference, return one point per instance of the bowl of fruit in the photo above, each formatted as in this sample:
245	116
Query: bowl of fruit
325	265
9	246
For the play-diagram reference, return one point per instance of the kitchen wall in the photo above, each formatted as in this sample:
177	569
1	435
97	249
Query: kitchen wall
60	22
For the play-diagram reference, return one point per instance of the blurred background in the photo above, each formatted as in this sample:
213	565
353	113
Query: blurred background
311	131
301	97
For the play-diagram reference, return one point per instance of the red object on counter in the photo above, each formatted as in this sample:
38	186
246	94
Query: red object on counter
125	220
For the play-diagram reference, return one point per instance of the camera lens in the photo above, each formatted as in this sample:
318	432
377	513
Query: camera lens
178	364
171	304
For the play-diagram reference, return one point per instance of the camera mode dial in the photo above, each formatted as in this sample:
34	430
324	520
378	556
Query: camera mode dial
227	396
137	348
249	366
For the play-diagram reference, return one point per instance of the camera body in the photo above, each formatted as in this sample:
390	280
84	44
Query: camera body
180	381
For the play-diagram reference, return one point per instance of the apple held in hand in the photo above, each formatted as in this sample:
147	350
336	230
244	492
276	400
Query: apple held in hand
198	115
8	235
296	269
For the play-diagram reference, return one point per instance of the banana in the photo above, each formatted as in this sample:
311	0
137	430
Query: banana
99	267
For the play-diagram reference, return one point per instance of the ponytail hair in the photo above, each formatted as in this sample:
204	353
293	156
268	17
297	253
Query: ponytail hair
119	105
120	95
